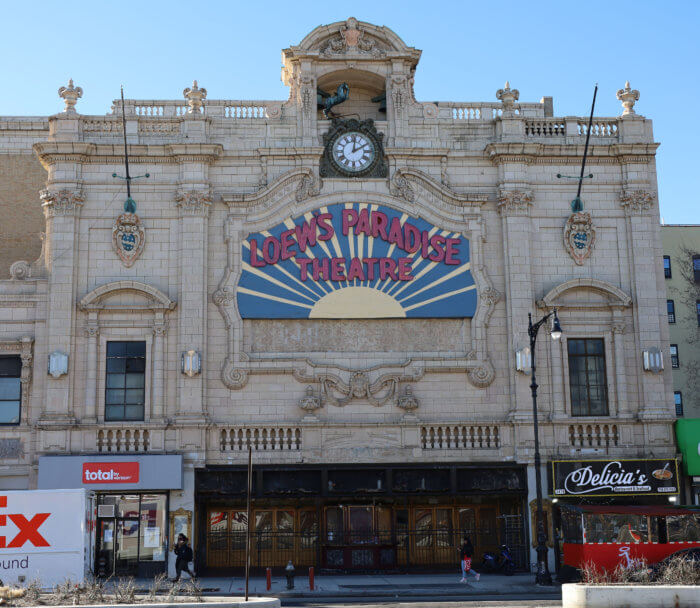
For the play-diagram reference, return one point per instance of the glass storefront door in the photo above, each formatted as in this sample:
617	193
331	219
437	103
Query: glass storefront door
132	534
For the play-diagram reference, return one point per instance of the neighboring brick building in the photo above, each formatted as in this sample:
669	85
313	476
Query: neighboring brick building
377	439
681	243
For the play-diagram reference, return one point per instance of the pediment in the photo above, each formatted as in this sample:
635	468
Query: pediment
125	296
585	293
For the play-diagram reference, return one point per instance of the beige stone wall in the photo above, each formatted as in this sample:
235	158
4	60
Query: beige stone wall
21	179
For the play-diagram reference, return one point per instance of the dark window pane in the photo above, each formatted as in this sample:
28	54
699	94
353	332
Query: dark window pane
10	388
136	349
587	379
133	412
116	349
114	396
576	347
116	365
9	412
114	412
134	396
134	380
10	366
135	365
594	347
115	380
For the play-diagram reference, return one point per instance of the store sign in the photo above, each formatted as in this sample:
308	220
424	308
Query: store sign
135	472
615	477
355	261
110	472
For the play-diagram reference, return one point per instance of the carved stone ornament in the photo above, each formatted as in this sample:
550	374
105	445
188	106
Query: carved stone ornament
628	97
482	375
233	377
128	238
310	401
195	98
352	39
62	202
579	236
70	95
407	400
193	202
514	202
20	271
378	166
508	97
401	188
335	391
637	201
309	185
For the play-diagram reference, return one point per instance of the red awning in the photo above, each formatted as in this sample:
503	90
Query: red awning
633	509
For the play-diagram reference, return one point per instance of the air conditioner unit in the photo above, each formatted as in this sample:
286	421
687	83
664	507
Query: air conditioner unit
105	511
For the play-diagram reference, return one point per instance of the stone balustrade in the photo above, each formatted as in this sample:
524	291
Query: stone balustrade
593	435
261	439
123	440
446	437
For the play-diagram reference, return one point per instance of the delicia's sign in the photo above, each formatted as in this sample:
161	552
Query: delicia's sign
355	260
615	477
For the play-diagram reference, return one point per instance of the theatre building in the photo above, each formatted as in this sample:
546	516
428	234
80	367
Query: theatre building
341	282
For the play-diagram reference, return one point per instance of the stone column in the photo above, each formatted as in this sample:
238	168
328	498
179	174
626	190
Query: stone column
618	330
92	332
158	373
558	396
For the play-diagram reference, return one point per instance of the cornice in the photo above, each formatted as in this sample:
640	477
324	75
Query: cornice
539	153
417	152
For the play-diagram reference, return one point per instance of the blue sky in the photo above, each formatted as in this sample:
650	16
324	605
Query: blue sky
561	49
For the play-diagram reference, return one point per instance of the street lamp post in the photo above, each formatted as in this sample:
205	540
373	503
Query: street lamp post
543	576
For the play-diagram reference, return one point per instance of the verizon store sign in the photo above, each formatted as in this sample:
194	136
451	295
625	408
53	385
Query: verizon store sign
110	472
136	472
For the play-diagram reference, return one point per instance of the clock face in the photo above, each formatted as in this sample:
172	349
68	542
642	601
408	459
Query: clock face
353	152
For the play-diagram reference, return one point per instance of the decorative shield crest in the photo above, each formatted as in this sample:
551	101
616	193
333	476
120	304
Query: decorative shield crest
128	238
579	236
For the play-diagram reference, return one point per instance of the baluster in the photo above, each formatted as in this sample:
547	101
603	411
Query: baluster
455	437
497	438
119	441
488	437
589	435
264	439
110	435
146	440
137	440
297	438
222	440
439	437
289	439
100	440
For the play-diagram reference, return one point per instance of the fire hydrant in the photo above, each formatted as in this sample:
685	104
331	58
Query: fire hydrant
289	572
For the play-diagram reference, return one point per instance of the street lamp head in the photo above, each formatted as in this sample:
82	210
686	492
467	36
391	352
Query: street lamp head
556	327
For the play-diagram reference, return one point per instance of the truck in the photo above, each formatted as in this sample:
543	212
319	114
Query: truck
47	536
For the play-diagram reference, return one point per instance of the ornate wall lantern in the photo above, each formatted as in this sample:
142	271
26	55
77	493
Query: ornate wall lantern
653	360
191	363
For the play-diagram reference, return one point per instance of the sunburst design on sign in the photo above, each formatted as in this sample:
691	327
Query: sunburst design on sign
355	261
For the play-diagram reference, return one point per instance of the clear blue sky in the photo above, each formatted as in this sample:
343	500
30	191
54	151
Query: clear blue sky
561	49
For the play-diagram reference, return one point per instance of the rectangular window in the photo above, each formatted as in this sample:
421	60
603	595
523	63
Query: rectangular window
697	310
678	400
587	378
671	310
674	356
126	381
696	268
10	389
667	266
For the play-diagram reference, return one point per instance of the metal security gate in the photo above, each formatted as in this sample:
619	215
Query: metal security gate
513	535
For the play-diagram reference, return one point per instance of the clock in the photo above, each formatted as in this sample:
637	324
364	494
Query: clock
353	151
353	148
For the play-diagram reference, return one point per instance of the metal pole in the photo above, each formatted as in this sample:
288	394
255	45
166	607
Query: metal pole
543	577
588	137
126	153
247	535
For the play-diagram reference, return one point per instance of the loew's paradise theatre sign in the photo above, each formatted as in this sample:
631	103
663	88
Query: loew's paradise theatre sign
355	260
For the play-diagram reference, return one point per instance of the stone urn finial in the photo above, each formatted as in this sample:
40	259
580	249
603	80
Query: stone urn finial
508	97
628	97
195	98
70	95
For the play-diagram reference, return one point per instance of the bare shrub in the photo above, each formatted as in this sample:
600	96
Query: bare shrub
680	571
594	575
193	589
174	591
32	595
95	590
125	591
62	593
158	580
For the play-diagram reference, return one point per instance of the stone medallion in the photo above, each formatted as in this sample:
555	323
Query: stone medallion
128	238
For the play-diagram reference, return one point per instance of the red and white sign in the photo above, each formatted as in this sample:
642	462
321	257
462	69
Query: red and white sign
110	472
45	536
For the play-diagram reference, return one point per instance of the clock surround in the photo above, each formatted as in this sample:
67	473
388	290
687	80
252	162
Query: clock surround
353	148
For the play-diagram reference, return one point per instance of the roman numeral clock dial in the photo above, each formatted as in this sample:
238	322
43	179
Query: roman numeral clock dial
353	152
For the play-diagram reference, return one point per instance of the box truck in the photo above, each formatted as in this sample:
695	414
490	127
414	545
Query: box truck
46	536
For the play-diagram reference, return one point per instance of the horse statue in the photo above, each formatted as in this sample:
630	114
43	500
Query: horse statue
325	101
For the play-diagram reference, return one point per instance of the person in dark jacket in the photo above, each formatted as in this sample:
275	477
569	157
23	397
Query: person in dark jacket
184	555
466	553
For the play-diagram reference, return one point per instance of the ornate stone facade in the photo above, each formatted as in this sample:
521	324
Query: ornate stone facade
351	390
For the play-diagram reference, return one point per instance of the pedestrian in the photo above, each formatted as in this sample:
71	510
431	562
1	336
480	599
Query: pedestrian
466	554
184	556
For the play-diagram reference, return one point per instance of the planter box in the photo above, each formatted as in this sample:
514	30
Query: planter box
578	595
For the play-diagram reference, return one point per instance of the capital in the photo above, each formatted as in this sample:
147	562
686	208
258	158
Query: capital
514	202
61	202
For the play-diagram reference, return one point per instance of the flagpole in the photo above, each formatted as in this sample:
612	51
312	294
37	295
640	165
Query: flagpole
588	138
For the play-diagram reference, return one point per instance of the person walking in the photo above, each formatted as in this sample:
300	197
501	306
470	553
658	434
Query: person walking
466	553
184	556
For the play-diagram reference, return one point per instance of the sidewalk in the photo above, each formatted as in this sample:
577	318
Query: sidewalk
378	585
